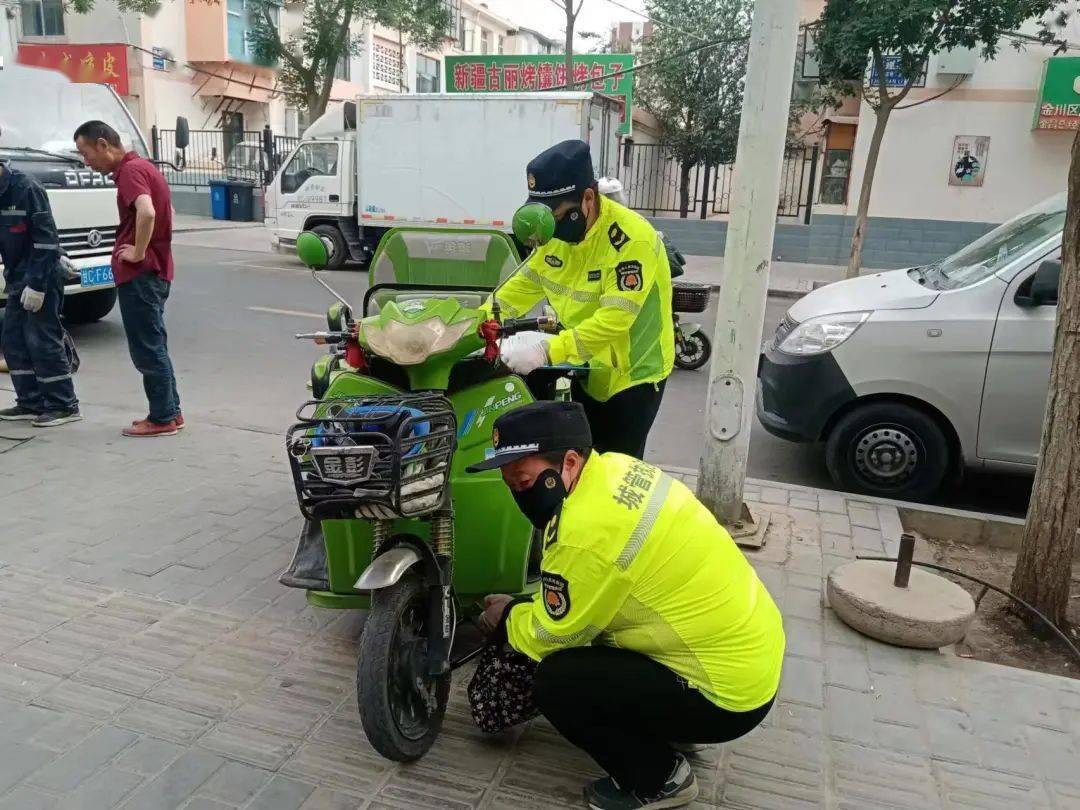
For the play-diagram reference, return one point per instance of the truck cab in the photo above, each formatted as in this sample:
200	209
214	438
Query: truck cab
39	111
315	190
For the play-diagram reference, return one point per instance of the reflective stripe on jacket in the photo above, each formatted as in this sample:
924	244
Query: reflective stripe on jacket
635	561
612	293
29	244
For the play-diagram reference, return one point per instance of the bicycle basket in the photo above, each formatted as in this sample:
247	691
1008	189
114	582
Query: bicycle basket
690	297
383	456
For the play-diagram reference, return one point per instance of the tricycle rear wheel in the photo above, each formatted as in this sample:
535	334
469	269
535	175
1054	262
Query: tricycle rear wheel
401	706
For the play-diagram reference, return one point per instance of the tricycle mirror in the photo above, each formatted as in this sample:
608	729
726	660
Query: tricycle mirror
312	250
337	317
1042	288
534	224
183	132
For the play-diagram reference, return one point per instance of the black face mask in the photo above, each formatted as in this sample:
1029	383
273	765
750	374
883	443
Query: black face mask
571	228
542	500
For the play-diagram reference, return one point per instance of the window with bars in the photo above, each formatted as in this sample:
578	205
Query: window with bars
453	8
42	18
386	62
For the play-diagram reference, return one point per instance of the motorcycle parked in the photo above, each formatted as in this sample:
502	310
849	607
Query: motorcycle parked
403	403
692	348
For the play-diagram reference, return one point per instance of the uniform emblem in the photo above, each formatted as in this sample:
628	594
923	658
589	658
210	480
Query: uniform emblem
495	437
549	483
553	261
594	275
617	236
532	180
556	595
628	276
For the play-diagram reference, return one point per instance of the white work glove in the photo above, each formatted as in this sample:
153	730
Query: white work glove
31	299
525	352
68	266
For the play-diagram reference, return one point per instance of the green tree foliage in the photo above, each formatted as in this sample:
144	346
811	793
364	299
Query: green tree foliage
307	58
696	97
860	43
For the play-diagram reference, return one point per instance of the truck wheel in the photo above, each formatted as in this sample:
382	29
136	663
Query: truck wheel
694	352
401	706
88	307
888	449
335	245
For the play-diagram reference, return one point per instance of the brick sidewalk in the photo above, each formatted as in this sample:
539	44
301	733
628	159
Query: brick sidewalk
149	659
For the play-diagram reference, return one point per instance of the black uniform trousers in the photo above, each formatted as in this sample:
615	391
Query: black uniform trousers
34	348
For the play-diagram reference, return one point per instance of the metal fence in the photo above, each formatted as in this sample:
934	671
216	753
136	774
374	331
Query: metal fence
253	156
654	182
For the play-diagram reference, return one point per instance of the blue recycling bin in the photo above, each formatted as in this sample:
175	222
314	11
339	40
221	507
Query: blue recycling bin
219	199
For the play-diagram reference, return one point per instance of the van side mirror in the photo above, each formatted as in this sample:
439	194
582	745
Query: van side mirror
183	133
1041	290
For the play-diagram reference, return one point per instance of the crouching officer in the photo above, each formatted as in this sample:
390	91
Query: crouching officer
651	630
606	275
33	337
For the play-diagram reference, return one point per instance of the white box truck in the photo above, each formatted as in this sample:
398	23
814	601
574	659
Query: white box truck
39	112
432	159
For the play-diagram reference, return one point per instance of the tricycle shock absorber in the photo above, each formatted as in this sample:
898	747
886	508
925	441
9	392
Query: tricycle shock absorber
442	534
380	533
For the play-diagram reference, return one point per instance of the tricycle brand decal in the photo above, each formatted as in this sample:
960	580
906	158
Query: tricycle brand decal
556	595
477	416
411	306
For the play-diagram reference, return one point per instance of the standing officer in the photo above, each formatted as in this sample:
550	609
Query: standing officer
606	274
33	337
651	630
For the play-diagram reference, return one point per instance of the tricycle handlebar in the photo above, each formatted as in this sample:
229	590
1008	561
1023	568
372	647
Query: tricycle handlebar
323	337
511	326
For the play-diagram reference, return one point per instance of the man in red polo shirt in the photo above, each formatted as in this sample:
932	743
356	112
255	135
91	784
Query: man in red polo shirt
142	265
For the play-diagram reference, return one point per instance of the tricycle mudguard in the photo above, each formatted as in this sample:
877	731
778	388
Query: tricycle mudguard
389	567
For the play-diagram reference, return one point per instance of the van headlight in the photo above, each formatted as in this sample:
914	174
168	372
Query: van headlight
822	334
407	344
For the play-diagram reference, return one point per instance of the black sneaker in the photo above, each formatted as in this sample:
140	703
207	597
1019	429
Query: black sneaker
679	790
54	418
17	413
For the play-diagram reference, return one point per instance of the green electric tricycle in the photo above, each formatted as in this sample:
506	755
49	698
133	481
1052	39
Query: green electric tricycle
402	404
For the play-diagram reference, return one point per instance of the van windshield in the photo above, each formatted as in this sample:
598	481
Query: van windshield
993	251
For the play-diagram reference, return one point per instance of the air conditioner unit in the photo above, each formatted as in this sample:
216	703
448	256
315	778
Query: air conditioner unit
958	61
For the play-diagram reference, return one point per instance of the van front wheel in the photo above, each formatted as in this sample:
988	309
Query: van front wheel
888	449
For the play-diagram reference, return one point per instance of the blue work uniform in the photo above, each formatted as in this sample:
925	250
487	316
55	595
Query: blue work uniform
33	342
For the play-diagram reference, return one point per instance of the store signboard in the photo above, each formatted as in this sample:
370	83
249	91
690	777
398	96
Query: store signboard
525	73
1058	102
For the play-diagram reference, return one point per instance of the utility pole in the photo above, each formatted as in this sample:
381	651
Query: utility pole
748	253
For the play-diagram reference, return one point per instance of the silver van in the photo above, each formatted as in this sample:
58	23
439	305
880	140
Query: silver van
910	376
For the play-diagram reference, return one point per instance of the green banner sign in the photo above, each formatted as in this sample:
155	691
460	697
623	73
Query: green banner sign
523	73
1058	105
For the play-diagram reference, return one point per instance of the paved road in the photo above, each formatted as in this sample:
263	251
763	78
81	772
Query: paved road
231	324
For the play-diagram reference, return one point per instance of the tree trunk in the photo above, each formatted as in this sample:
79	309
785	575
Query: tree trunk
1044	567
570	19
863	212
684	188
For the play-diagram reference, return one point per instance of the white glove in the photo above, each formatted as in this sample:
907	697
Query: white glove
525	352
31	299
68	266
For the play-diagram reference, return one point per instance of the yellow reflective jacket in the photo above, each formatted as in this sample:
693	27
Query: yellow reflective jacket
635	561
612	292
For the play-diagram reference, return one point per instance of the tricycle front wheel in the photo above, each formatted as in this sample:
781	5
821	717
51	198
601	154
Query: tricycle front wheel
401	706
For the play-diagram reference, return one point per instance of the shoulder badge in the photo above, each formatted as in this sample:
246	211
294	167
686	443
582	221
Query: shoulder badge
556	593
551	532
628	276
553	261
617	236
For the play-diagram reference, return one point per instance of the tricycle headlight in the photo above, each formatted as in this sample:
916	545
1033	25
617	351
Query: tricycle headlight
822	334
410	343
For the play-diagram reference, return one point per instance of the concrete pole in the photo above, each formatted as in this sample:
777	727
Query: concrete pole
744	288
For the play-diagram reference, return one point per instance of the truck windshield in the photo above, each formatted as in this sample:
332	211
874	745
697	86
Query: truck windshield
43	118
993	251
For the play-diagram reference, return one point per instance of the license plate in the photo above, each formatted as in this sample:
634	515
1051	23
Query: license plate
345	466
94	276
